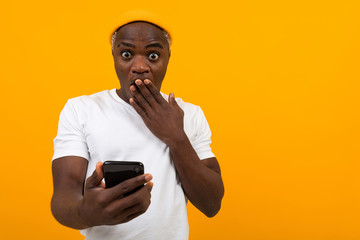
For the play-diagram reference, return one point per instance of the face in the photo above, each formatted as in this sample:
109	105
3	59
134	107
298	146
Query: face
141	51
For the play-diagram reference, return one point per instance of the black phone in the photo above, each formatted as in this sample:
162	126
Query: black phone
116	172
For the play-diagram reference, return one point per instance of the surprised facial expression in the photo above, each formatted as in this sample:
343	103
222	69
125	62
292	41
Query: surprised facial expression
141	51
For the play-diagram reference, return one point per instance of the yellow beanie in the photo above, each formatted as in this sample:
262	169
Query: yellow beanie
141	15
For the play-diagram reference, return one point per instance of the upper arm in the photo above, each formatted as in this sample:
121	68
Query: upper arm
70	139
200	137
69	174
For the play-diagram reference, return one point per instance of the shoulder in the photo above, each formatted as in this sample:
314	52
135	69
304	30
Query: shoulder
188	108
93	99
195	125
194	117
96	101
192	112
82	106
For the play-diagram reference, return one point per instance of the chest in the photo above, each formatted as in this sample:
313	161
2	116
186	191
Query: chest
113	134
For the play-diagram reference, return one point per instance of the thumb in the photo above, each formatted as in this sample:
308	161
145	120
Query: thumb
96	178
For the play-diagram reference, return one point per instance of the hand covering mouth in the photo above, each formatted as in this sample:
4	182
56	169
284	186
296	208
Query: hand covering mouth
132	82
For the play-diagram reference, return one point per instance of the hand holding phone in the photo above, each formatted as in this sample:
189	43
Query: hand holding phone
110	206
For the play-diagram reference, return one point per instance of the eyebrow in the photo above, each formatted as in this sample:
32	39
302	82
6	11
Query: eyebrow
126	44
158	45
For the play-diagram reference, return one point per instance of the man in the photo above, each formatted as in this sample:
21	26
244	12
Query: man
136	122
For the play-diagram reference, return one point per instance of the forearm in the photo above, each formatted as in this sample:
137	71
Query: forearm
203	186
65	209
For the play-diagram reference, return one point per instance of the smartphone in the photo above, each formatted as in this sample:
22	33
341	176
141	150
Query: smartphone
116	172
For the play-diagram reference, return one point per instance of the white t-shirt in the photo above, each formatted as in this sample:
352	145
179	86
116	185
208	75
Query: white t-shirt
103	127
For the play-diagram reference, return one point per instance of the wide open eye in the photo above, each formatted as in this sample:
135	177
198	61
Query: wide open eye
153	56
126	54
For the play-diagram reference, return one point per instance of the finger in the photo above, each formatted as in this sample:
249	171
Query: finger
140	199
132	212
125	214
154	91
145	92
131	217
139	98
96	178
136	210
149	186
138	109
127	186
172	99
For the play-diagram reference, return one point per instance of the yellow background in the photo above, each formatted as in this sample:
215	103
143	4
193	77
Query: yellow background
277	80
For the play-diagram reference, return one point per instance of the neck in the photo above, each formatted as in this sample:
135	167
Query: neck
122	95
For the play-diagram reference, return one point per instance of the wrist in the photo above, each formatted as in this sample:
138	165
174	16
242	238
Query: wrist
177	139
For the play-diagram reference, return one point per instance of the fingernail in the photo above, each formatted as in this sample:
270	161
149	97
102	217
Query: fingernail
138	82
148	177
146	81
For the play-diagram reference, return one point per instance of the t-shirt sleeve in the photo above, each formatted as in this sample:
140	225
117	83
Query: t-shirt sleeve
70	138
202	142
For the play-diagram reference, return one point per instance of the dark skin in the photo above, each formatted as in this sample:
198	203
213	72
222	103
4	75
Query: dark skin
200	179
141	55
95	205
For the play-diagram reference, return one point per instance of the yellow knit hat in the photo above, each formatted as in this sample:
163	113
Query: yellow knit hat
141	15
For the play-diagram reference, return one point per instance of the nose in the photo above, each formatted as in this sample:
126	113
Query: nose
139	65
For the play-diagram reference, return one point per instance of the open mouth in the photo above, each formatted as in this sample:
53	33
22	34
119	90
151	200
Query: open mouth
132	83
